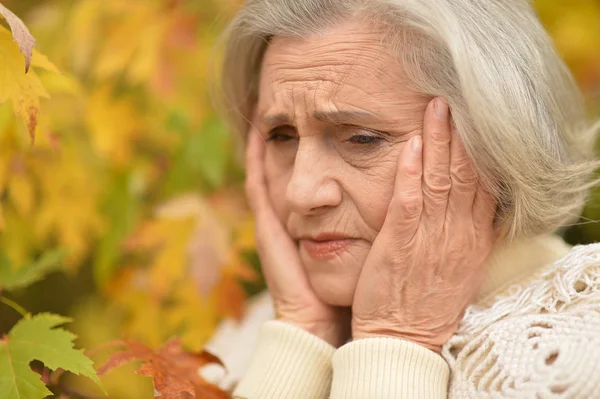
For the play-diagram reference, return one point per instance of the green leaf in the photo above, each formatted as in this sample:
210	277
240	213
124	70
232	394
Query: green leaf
121	208
203	156
11	279
211	151
36	338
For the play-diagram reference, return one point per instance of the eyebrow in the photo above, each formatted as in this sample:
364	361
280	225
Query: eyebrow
338	117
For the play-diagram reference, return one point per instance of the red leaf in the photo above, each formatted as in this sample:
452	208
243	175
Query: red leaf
174	371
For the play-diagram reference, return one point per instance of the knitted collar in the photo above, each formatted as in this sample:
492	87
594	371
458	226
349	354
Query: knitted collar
510	264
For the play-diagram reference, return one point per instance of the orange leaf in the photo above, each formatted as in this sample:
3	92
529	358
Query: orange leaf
231	298
174	371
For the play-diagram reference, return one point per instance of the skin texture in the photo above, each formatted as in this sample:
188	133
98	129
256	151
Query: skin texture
420	222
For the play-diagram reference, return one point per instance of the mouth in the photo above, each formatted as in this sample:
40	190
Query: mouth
325	249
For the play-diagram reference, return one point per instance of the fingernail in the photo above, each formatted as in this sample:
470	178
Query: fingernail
416	145
440	108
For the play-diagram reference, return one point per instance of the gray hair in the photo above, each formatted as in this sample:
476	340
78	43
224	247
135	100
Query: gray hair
514	102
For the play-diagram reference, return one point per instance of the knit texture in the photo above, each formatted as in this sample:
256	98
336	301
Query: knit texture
292	363
541	340
534	334
387	368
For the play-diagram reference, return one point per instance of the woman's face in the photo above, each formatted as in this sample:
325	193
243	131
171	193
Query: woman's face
335	111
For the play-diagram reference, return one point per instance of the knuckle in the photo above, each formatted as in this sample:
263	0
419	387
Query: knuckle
462	171
440	136
438	182
412	171
409	206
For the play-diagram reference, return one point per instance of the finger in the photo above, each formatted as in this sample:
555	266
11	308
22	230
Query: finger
406	205
256	190
436	157
278	251
464	180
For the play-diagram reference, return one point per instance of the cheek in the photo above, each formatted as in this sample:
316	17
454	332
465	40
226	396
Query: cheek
372	190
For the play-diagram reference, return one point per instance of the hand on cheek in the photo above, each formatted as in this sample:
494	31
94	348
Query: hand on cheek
425	266
294	299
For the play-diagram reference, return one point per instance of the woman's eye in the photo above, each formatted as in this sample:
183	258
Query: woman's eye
363	139
281	134
279	137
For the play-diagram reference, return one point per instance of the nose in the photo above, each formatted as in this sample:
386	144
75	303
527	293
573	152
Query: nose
313	187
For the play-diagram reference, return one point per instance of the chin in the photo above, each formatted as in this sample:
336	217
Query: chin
334	280
333	289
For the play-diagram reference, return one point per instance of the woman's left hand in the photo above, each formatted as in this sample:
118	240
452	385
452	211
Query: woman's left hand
425	266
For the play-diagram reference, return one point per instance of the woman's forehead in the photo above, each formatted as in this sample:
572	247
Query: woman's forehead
344	72
335	56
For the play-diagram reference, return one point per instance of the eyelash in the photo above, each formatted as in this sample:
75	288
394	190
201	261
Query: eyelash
362	139
274	136
359	139
278	137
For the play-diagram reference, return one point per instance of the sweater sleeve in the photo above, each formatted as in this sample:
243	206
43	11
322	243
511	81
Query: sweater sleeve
385	368
288	363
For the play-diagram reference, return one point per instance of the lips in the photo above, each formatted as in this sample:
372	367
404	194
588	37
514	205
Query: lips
321	249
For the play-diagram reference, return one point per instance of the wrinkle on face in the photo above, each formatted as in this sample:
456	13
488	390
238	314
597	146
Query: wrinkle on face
324	91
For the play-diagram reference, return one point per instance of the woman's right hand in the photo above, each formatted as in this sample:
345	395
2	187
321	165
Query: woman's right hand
294	299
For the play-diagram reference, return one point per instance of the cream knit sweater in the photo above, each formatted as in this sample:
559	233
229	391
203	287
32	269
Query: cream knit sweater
533	333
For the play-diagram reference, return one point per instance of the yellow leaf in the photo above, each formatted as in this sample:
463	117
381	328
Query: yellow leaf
132	44
145	321
114	124
83	31
195	317
39	60
22	193
24	90
68	212
170	263
20	33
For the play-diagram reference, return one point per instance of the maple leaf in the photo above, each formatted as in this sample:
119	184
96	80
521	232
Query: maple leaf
11	278
37	338
174	371
68	206
113	124
194	317
24	90
21	34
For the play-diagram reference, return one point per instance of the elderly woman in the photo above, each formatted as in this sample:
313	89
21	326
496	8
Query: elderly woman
408	162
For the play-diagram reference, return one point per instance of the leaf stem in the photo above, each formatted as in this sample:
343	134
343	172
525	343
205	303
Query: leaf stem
18	308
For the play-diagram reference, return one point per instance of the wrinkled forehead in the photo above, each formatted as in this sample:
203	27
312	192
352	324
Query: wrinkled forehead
350	63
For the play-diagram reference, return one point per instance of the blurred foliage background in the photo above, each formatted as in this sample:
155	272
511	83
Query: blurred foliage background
134	176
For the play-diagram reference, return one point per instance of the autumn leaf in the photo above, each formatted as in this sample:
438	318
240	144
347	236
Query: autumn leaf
194	317
37	338
20	33
231	298
113	123
24	90
174	371
68	206
13	278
